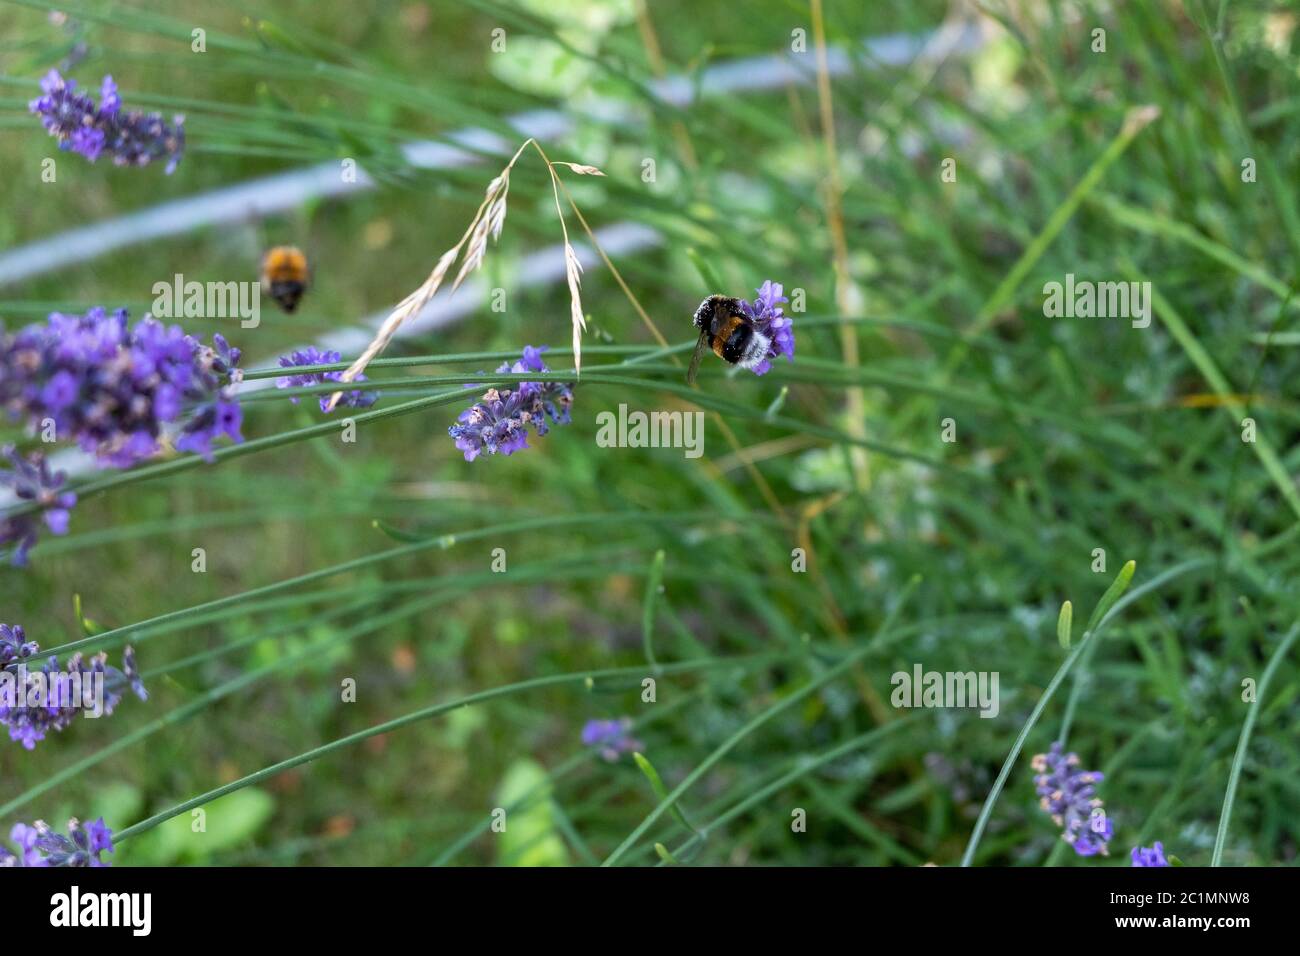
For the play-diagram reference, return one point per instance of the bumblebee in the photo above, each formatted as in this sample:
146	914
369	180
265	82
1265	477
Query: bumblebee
285	275
729	332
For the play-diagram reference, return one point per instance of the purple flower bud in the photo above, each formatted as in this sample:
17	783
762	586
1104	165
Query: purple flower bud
1069	795
50	698
611	736
112	389
32	481
25	837
769	319
498	424
532	360
1155	856
131	138
109	101
40	845
14	645
312	356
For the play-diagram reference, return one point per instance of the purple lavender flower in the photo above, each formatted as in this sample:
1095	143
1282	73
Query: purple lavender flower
40	845
112	388
611	736
769	319
211	421
14	645
312	356
499	423
132	138
1069	795
36	702
32	480
25	837
1155	856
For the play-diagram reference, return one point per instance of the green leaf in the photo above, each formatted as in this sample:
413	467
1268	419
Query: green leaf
1113	593
777	403
397	534
1243	741
654	584
226	823
665	855
657	785
531	837
1063	624
88	627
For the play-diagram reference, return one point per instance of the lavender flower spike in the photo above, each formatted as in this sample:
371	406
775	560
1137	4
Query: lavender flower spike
50	698
499	422
1155	856
40	845
131	138
113	388
1069	795
14	645
769	319
611	736
312	356
32	480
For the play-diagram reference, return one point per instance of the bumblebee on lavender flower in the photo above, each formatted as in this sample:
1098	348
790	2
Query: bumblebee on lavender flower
747	336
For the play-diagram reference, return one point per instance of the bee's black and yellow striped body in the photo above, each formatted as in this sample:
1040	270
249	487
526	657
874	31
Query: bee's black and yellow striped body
728	331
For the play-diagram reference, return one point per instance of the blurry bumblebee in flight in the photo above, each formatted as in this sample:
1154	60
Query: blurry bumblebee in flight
285	275
729	332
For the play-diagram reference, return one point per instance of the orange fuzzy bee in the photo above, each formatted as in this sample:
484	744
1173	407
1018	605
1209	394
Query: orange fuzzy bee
285	275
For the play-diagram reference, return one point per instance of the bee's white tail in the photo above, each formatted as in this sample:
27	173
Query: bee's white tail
755	350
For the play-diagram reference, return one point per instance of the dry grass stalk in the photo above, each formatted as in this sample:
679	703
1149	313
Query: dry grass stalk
487	224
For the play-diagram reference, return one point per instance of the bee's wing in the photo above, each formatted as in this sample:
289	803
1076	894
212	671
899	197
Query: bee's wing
694	368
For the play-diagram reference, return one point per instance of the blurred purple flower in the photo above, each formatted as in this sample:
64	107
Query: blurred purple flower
109	101
211	421
50	698
25	838
14	645
1155	856
611	736
498	424
42	846
132	138
1069	795
112	388
32	480
312	356
768	317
